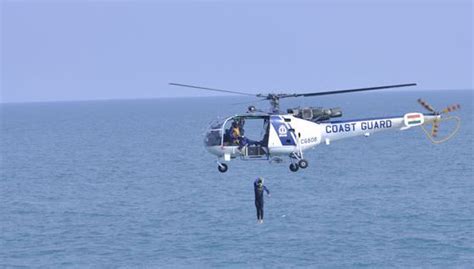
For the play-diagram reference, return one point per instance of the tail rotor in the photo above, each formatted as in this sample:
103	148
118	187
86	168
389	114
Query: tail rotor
426	106
451	108
434	128
440	117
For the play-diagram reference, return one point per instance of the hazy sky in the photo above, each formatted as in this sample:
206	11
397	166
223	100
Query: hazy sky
59	50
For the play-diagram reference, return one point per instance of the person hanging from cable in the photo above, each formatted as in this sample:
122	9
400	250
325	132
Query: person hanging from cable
259	188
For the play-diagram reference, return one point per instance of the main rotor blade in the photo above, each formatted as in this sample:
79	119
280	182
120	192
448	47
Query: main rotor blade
349	90
211	89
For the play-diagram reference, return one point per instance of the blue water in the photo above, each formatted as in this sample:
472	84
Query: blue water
128	184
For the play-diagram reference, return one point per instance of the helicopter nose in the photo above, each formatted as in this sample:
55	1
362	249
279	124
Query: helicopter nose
215	150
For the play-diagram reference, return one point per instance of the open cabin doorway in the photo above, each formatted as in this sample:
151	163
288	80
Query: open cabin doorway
249	133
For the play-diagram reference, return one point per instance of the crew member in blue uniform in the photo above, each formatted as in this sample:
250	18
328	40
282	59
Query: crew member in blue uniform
259	188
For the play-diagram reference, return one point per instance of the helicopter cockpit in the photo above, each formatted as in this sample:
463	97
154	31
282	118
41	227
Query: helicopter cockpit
247	133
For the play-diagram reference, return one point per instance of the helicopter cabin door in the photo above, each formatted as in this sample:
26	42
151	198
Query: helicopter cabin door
254	132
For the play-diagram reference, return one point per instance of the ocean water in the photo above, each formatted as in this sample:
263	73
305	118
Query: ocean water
129	184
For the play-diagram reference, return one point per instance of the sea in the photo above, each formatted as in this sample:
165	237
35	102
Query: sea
128	184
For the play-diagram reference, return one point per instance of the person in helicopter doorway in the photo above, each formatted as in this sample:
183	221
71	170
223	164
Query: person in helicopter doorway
236	134
243	141
259	188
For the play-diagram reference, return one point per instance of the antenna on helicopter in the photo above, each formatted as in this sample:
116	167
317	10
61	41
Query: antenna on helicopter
274	98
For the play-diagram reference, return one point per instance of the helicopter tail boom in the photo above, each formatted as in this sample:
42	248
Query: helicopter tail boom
430	124
337	130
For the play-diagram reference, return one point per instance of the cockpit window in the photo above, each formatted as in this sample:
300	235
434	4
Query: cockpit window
214	133
213	138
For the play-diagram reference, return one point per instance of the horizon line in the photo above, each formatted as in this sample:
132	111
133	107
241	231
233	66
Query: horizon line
179	97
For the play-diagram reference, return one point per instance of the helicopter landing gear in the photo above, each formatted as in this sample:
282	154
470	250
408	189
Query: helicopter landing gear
294	167
303	163
297	161
222	167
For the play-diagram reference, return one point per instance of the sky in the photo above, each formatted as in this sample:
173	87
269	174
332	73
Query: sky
88	50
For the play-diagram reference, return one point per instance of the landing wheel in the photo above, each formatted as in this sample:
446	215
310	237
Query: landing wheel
294	167
303	163
222	167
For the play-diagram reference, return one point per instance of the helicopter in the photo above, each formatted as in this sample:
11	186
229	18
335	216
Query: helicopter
278	134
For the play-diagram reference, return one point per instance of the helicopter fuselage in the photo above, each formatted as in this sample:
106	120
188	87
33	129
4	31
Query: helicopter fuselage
287	135
304	128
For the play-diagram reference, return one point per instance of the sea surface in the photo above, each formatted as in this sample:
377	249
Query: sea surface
120	184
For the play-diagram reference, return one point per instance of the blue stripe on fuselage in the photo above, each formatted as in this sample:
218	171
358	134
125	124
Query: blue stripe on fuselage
286	138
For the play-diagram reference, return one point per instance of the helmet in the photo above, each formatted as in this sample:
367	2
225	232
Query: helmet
260	180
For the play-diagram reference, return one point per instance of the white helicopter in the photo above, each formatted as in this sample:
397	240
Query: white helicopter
277	134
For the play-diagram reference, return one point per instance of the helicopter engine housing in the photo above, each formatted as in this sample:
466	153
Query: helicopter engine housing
315	114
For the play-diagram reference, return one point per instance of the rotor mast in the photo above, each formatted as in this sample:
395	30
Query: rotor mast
274	101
